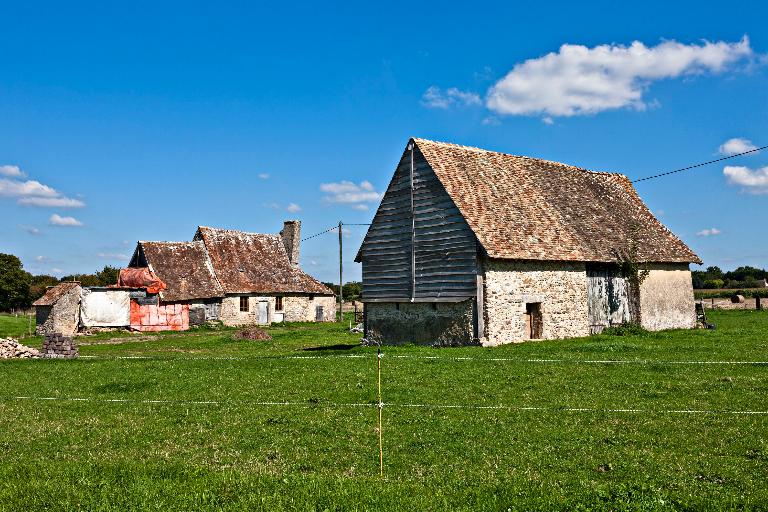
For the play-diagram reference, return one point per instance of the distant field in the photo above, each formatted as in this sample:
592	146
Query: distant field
199	421
15	326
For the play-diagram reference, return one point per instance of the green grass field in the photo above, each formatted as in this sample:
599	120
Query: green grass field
16	326
201	421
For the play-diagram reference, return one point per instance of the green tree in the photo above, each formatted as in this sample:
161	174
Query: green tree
108	275
39	284
14	283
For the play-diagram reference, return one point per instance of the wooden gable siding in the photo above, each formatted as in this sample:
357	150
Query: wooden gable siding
445	249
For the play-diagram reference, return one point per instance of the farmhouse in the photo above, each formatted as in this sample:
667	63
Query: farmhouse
475	246
236	277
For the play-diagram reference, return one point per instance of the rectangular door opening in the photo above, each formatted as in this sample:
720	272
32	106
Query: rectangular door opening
533	321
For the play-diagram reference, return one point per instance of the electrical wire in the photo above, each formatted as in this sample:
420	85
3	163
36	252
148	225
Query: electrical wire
699	165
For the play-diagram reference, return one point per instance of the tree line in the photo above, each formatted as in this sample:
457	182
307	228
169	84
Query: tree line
742	277
19	289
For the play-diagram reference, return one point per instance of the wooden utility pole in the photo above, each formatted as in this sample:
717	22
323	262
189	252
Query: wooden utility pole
341	277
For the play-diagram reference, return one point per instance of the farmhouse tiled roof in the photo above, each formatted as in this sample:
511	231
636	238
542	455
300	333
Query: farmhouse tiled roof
532	209
185	269
255	263
54	293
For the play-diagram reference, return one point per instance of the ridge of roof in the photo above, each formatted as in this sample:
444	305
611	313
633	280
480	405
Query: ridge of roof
524	157
535	209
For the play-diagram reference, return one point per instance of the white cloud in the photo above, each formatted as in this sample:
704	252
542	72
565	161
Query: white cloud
736	146
578	80
51	202
434	97
32	230
547	120
113	256
32	192
58	220
353	194
752	181
263	175
490	121
360	207
709	232
293	208
41	259
11	170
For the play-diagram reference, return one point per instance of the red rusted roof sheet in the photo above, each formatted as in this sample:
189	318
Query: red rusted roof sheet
140	277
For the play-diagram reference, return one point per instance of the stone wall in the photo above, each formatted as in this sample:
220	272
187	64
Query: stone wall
437	323
560	288
296	308
666	298
230	313
62	317
301	308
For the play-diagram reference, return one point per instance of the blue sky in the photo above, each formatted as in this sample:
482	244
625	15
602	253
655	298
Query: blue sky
128	121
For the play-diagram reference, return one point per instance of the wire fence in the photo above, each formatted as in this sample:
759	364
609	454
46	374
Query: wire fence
381	406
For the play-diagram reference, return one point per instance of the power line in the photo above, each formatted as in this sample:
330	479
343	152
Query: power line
700	165
320	233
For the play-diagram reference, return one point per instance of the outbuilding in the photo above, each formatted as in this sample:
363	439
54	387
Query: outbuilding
477	246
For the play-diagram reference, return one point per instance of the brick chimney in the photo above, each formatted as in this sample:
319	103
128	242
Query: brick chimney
291	235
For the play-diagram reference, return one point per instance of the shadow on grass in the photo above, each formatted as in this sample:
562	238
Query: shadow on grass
340	346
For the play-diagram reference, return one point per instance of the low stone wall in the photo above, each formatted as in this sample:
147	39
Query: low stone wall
560	288
439	323
59	346
666	298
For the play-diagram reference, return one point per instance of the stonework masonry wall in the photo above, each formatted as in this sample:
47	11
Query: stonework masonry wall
560	287
62	317
300	308
666	298
443	323
296	308
230	313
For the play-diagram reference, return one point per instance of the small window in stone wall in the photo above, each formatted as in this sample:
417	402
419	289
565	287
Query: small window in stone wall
244	304
311	297
278	303
434	306
397	306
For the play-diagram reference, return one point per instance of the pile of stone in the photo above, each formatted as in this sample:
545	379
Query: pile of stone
59	346
253	333
12	349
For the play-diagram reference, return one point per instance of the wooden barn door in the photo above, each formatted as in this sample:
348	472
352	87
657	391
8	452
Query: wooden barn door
608	298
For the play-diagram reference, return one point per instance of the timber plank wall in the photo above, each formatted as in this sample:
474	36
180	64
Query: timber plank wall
427	220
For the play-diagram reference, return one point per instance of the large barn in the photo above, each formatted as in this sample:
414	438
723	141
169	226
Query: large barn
475	246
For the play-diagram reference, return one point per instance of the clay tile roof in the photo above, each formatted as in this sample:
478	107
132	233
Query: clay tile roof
55	293
184	267
527	208
255	263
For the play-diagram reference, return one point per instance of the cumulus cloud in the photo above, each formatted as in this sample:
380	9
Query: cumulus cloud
709	232
11	170
293	208
753	181
434	97
353	194
58	220
263	175
577	80
736	146
32	192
